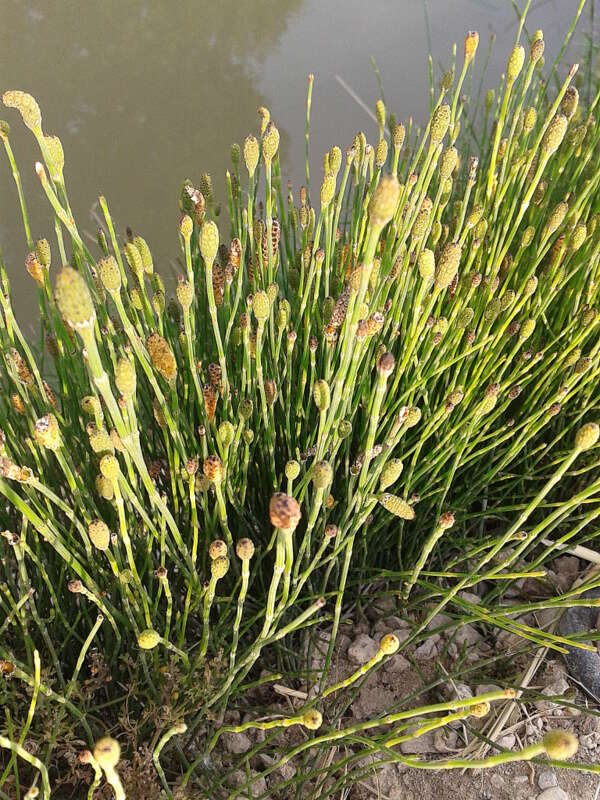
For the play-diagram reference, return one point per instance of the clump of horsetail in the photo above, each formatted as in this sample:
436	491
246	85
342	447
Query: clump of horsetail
224	471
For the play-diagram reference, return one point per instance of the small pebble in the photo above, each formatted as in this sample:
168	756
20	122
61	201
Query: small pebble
381	606
438	621
554	689
392	623
362	649
470	597
462	691
239	778
445	740
554	793
497	781
236	742
547	779
468	635
429	647
420	745
396	663
507	742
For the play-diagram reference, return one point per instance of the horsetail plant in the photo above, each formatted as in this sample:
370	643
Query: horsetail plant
231	472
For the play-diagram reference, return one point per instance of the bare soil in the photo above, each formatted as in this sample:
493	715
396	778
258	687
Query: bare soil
485	660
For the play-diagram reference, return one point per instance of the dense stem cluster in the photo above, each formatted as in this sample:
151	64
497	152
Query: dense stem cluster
350	389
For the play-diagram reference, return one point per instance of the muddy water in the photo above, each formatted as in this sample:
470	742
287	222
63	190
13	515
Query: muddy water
146	93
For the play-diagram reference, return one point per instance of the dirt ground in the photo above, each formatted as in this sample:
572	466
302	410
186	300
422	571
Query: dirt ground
519	781
486	661
513	782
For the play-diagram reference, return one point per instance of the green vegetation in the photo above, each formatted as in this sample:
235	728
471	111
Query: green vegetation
385	386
